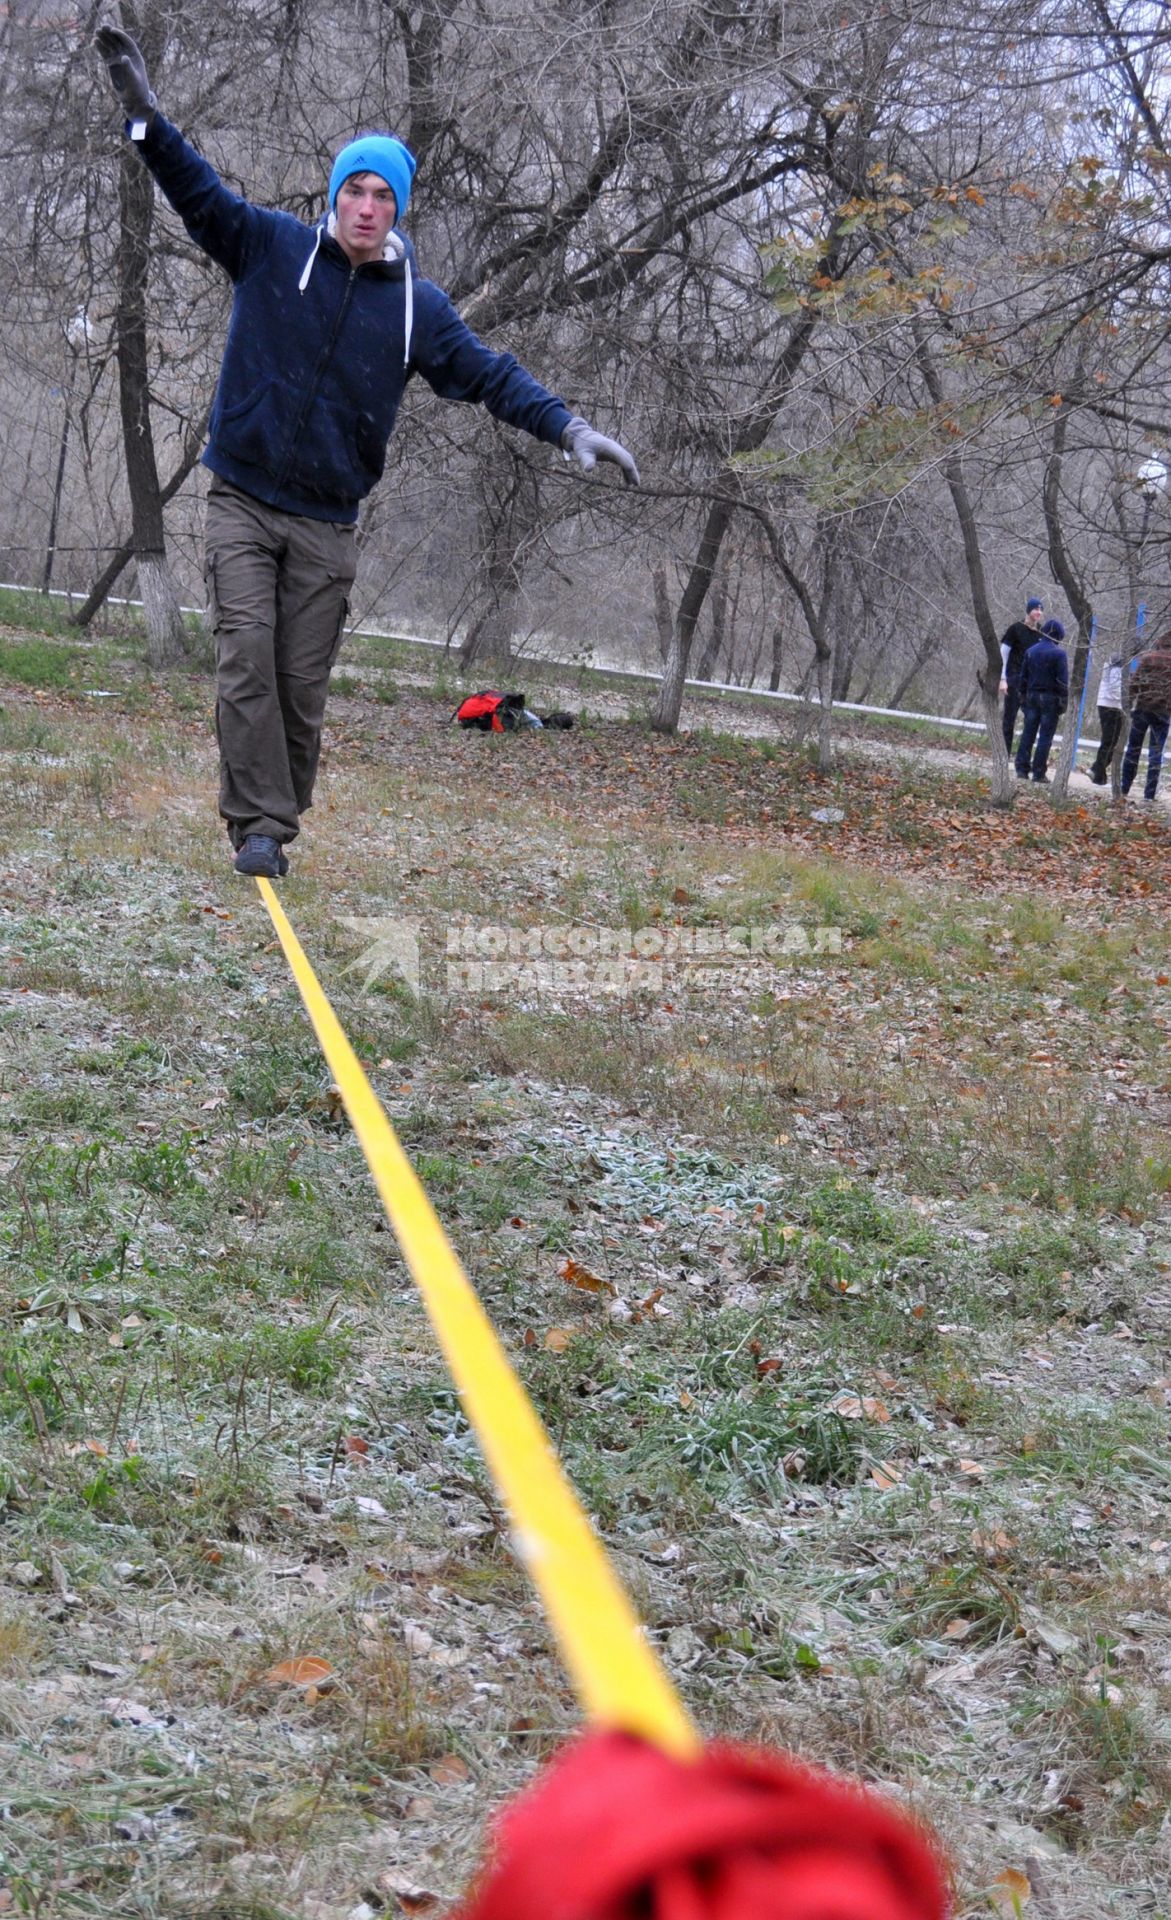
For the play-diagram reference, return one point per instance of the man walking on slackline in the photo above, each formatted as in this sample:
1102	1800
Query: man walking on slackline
328	324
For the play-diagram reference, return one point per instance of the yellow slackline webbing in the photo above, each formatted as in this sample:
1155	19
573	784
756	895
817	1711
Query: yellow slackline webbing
618	1679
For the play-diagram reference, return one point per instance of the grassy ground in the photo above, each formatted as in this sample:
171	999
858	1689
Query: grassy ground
861	1364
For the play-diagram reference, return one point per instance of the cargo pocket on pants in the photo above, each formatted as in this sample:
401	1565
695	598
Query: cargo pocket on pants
340	635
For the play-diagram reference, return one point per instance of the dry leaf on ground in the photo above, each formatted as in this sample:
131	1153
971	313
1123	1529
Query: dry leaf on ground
1010	1891
581	1277
308	1672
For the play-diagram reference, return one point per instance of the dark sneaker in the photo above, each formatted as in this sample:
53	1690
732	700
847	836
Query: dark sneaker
261	856
1040	779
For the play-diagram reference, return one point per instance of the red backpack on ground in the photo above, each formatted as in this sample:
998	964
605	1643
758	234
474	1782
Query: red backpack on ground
490	711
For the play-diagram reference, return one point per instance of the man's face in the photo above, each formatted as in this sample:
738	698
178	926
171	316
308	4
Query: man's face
1033	617
365	214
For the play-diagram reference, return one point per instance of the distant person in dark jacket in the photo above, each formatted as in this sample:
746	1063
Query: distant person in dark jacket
1109	719
1044	693
1013	647
328	324
1150	712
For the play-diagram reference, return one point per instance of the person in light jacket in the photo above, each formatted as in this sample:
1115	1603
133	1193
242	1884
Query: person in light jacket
1109	720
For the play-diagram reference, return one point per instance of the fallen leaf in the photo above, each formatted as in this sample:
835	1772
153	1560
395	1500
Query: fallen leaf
972	1468
450	1771
957	1629
411	1898
316	1577
885	1475
131	1713
354	1444
581	1277
557	1339
1010	1891
308	1672
851	1406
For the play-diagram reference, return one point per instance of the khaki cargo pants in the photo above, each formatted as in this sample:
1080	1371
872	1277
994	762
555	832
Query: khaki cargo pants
278	591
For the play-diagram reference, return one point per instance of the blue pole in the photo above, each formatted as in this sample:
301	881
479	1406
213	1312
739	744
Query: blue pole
1140	618
1085	683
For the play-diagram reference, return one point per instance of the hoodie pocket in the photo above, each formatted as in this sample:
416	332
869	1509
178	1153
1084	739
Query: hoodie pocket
250	429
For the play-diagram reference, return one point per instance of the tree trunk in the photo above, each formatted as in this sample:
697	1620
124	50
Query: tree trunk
904	686
165	632
665	718
988	674
508	518
1069	580
662	612
727	489
825	723
122	555
490	636
774	672
718	602
59	482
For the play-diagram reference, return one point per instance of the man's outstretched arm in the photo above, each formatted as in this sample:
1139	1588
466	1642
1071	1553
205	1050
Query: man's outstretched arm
460	367
228	228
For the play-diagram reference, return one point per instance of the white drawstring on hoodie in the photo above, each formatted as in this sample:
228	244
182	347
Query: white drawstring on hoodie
393	250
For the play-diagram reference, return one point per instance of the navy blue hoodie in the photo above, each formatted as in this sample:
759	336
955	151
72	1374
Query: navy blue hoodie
1045	670
319	351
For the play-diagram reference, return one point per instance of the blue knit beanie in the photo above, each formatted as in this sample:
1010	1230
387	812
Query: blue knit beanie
1033	606
378	153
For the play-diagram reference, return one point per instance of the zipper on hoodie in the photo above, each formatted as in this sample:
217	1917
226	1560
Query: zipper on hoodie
314	388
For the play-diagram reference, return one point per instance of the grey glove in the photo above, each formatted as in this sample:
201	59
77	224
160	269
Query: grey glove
127	70
588	447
